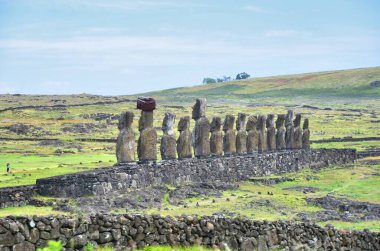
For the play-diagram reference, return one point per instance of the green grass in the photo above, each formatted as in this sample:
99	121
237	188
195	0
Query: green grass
356	183
26	169
27	211
359	226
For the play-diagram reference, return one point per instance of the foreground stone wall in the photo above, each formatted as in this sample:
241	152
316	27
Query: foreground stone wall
16	196
210	170
132	231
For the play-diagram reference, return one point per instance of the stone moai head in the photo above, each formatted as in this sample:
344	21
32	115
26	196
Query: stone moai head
261	122
252	123
146	120
228	123
216	124
289	118
240	122
168	123
199	109
125	120
280	120
184	124
297	120
306	124
270	121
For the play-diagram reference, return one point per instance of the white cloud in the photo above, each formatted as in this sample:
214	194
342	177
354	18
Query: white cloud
56	84
256	9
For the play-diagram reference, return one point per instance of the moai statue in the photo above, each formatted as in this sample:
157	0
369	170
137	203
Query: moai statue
201	132
229	139
253	135
216	139
306	135
271	133
289	134
241	137
125	146
147	143
261	124
297	132
280	135
185	138
168	141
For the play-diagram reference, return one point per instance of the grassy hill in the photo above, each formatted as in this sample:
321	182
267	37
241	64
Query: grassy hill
330	89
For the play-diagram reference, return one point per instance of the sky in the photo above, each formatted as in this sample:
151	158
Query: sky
122	47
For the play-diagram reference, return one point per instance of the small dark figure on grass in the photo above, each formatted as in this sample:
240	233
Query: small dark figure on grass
8	167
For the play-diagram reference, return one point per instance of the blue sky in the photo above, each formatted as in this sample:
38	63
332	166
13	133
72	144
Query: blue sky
117	47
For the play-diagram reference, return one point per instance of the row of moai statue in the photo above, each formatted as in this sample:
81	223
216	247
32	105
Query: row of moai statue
257	134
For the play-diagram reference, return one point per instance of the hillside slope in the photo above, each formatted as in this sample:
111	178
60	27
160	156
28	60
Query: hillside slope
333	88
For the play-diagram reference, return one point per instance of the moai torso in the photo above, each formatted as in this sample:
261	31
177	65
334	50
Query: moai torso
147	142
201	132
271	133
280	135
261	124
253	135
168	140
241	137
125	146
306	135
216	139
184	139
297	133
229	139
289	134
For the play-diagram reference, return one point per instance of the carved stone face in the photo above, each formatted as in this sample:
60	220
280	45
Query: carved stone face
184	123
289	118
168	122
199	109
146	120
240	122
252	123
261	122
306	124
229	123
280	120
126	120
216	123
270	120
297	120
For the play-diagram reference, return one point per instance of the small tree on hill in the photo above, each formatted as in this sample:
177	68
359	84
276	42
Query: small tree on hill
208	81
242	75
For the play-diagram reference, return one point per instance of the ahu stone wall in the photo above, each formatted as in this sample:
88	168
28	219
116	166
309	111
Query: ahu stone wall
126	232
208	170
16	196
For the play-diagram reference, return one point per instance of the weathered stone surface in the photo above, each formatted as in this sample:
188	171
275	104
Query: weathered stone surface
199	109
297	133
147	104
241	136
201	131
289	134
253	134
229	139
216	139
24	246
125	146
238	234
185	138
201	140
147	143
271	133
168	140
306	135
280	134
261	129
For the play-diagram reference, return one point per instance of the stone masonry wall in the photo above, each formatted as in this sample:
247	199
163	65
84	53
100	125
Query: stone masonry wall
128	232
16	196
221	169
